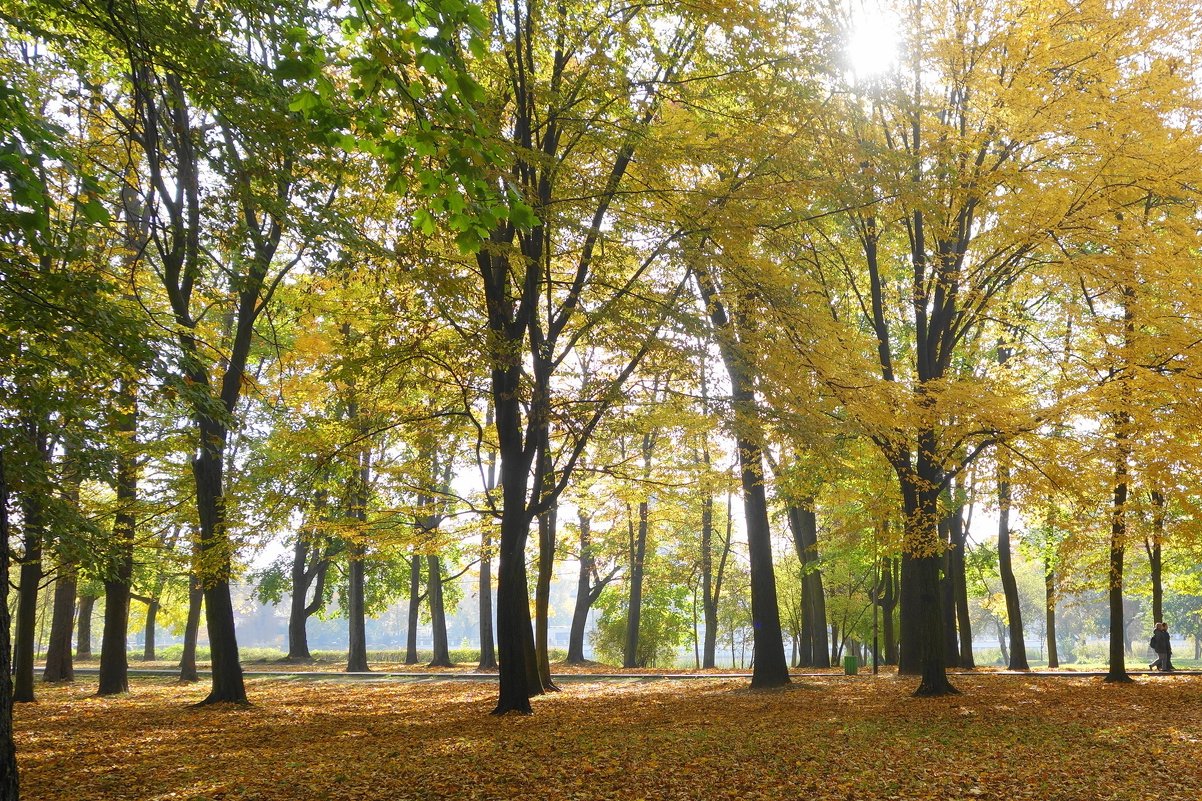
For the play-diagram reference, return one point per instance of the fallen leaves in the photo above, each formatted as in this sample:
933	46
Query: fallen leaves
832	738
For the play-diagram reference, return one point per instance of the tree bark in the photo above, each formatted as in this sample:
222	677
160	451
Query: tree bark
1018	648
547	524
114	661
922	636
488	650
959	542
1155	557
814	646
187	659
947	589
27	600
9	789
34	531
1049	589
634	607
584	600
148	647
1118	539
311	557
438	613
415	598
216	562
769	666
356	658
83	634
59	665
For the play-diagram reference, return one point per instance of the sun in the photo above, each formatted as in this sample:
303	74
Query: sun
873	41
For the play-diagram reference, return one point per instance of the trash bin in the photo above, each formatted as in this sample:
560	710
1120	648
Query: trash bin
851	665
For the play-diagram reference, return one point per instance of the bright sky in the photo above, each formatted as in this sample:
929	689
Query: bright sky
875	36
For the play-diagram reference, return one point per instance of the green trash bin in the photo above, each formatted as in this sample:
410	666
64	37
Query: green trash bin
851	665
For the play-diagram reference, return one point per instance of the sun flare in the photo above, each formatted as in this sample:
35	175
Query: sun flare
872	44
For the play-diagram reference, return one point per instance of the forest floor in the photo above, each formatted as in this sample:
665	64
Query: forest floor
838	738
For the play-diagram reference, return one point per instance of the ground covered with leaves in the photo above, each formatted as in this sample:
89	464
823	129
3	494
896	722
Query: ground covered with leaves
840	738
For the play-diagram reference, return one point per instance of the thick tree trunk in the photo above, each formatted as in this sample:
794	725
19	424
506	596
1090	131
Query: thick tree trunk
356	658
59	665
298	632
889	598
9	790
814	647
216	564
1018	648
438	614
584	600
114	660
83	633
634	608
922	636
187	660
148	648
1049	590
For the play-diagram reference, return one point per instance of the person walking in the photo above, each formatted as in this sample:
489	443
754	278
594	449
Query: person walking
1164	650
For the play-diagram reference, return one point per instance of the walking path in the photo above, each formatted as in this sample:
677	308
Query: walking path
403	676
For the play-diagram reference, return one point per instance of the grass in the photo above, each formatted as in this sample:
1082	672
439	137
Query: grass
838	738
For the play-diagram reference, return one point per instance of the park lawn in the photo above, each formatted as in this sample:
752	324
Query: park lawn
840	738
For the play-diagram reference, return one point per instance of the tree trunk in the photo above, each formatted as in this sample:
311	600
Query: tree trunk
114	661
1049	589
959	543
889	599
27	597
438	614
547	523
415	599
356	658
216	563
8	752
148	649
298	632
59	666
634	609
583	592
1118	539
187	660
814	647
769	667
83	634
947	591
1018	647
1155	559
488	652
922	637
709	604
415	607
